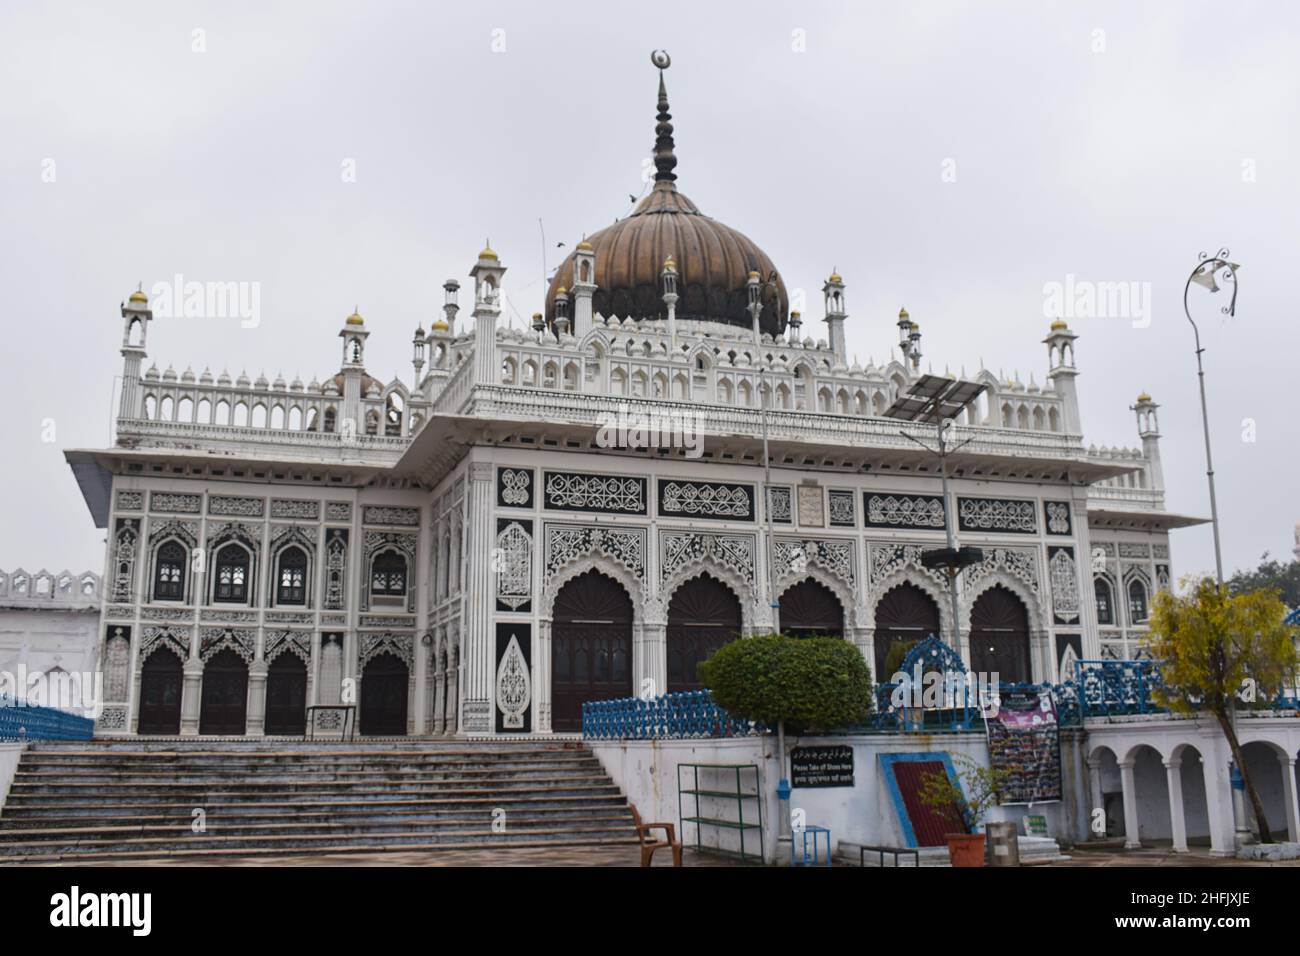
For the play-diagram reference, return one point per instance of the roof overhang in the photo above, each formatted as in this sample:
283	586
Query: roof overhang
1139	519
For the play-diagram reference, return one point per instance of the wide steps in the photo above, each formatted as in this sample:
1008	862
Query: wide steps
135	800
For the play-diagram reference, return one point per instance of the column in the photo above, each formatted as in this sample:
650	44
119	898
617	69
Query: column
257	675
1173	774
1129	786
478	643
191	696
440	698
1289	796
1218	798
1098	800
542	677
455	673
651	641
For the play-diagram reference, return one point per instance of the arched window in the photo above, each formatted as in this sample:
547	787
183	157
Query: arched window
1137	602
169	572
291	578
1105	602
388	575
231	575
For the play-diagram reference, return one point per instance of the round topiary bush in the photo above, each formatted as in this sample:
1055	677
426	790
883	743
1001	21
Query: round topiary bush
817	682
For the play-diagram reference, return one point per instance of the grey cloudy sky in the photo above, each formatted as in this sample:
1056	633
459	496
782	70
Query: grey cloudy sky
1112	156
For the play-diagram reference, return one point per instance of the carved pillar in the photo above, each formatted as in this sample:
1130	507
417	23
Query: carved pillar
1174	776
542	677
455	673
191	694
651	659
478	643
257	675
1129	786
440	697
1098	800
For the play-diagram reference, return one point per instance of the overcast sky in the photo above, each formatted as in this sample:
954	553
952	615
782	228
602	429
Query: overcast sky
954	158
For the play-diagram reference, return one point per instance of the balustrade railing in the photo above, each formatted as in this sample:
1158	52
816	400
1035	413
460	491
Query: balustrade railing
20	721
685	716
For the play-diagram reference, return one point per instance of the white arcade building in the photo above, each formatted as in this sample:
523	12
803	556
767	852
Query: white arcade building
463	554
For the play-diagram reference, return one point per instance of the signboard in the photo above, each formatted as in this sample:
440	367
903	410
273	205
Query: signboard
821	767
1035	825
1024	744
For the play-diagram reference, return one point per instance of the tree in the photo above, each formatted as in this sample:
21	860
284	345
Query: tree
1215	645
814	681
1270	575
970	797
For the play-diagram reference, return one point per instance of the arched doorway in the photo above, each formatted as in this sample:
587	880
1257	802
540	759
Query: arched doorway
591	647
904	616
161	679
702	616
999	636
384	685
286	696
224	707
811	609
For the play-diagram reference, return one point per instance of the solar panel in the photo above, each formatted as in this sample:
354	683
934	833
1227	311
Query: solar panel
933	398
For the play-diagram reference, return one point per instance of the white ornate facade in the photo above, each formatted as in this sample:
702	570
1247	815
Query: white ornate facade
436	527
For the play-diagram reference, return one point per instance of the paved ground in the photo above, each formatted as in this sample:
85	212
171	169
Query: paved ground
1163	856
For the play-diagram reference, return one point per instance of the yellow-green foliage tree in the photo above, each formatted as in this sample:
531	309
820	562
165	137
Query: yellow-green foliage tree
1215	646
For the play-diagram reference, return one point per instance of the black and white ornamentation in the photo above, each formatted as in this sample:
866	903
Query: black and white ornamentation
682	549
297	643
568	543
130	501
889	559
126	540
515	487
387	515
117	658
512	563
240	640
1129	550
1057	517
779	498
514	686
169	503
904	511
794	556
399	645
706	499
614	494
338	511
841	509
1064	575
997	514
227	616
236	507
1019	563
177	639
295	509
336	566
375	541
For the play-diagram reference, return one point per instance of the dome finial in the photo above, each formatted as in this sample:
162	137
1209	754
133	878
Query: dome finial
665	161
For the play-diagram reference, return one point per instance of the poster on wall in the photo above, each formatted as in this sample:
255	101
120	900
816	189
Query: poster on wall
1025	745
821	767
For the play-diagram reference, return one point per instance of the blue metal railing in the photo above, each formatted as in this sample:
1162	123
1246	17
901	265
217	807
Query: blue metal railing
685	716
20	721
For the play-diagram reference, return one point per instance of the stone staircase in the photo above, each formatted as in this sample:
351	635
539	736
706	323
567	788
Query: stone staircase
137	801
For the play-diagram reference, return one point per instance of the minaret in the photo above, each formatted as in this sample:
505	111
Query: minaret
833	290
487	273
584	287
417	357
1061	371
1149	431
354	337
450	306
136	316
669	277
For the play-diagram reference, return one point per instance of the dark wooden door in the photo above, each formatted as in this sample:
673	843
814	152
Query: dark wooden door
591	647
703	615
161	680
224	708
385	684
286	696
905	615
999	636
810	609
930	826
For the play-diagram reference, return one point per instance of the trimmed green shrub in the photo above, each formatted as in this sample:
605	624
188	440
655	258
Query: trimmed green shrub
815	682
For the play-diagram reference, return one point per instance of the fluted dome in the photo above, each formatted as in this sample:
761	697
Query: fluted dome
713	260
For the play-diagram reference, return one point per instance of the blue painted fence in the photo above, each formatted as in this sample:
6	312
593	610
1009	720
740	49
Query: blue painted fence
19	721
685	716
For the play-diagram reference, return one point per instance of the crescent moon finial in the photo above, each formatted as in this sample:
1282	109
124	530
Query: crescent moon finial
661	59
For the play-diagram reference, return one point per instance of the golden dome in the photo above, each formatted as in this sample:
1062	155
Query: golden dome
835	277
902	314
585	246
1144	397
439	325
1058	325
561	291
138	296
670	263
355	319
489	253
